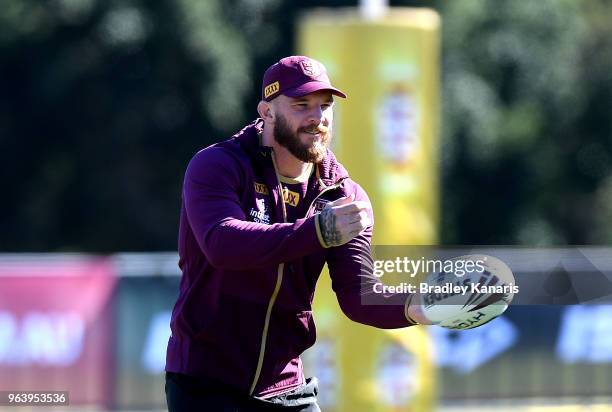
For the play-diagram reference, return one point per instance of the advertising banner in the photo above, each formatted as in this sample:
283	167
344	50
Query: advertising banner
144	306
56	327
386	135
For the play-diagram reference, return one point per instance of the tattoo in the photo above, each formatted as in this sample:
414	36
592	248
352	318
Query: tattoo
327	224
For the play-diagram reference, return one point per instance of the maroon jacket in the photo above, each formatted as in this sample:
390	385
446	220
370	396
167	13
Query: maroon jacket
244	314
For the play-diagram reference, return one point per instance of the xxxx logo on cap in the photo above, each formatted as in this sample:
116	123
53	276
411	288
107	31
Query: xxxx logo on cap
271	89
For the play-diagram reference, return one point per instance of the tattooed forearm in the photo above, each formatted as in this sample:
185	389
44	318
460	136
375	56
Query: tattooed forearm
327	223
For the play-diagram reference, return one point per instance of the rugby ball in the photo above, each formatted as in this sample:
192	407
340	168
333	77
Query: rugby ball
457	298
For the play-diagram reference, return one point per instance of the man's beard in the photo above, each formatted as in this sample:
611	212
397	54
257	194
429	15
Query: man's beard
309	153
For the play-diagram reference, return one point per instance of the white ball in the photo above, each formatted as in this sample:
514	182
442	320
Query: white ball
459	299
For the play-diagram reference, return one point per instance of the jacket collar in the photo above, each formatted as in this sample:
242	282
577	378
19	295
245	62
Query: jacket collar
329	169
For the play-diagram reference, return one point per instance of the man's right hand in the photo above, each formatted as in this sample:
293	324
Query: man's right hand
343	219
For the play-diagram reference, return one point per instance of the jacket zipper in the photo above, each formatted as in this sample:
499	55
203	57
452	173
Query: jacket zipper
279	281
279	275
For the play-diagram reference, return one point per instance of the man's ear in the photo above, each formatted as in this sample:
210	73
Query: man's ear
265	110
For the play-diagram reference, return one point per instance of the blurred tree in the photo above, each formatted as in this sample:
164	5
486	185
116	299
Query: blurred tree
102	105
527	147
104	102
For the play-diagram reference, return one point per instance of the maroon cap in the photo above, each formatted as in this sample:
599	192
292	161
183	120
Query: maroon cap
296	76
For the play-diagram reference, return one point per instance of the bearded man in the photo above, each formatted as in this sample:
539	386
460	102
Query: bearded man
262	213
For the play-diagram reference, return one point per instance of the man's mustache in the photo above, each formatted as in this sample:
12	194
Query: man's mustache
314	129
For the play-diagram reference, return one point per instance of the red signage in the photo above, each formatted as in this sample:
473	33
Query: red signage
56	330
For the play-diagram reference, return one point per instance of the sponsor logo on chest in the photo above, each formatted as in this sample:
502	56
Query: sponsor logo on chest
260	214
261	189
291	198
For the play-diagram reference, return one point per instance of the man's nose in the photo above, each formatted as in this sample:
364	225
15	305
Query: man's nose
316	116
